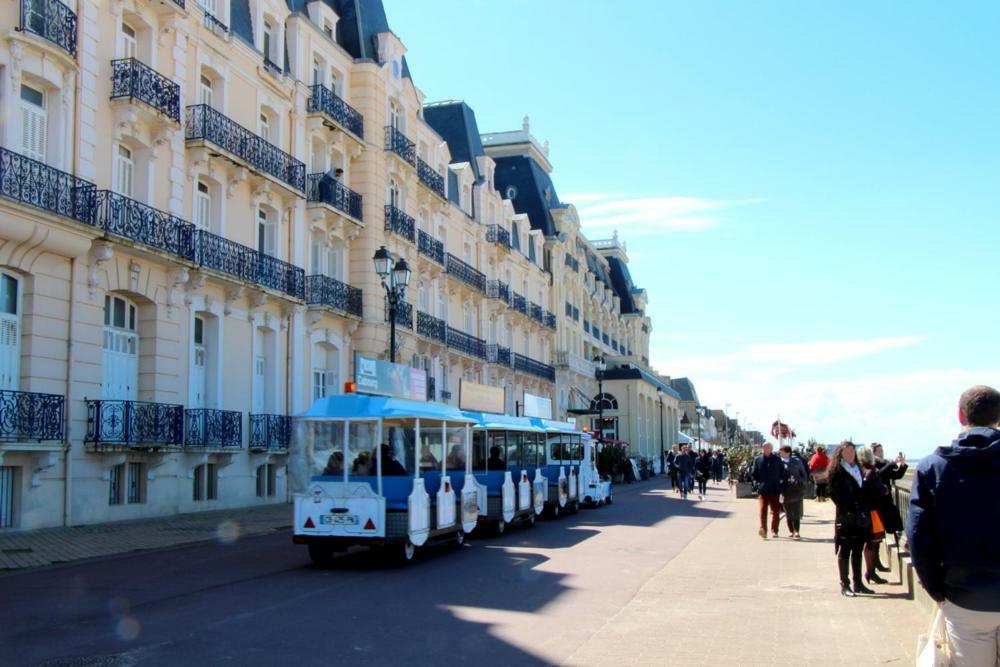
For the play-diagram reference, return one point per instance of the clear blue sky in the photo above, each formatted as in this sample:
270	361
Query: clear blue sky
810	191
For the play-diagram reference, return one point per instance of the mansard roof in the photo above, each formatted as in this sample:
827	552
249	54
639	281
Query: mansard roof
533	192
455	121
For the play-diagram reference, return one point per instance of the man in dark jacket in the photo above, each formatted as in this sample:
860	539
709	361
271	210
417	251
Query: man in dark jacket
769	477
953	529
685	470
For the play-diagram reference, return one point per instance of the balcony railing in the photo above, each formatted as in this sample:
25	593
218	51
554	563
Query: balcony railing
36	184
330	292
431	327
207	124
430	246
179	3
130	219
270	432
520	304
213	429
328	190
532	367
134	80
575	363
239	261
397	142
550	320
467	274
537	313
272	67
404	314
134	423
26	415
51	20
499	235
467	344
498	289
214	24
399	223
325	101
498	354
429	176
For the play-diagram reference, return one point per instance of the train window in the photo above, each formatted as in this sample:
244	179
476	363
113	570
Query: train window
431	448
497	451
326	441
455	458
360	448
514	448
479	450
529	457
574	448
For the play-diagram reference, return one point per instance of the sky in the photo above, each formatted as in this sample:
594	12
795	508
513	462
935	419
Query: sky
809	192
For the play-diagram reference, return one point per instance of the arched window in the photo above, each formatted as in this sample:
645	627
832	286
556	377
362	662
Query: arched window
394	196
395	116
603	401
10	332
120	373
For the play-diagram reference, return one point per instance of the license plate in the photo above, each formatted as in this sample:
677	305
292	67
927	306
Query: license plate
340	519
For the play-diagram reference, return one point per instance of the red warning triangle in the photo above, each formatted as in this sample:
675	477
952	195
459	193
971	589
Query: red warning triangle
369	525
309	522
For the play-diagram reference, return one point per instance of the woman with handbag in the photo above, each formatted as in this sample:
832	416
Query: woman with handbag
853	524
874	493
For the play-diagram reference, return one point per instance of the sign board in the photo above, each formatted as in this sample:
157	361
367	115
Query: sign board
480	397
372	376
537	406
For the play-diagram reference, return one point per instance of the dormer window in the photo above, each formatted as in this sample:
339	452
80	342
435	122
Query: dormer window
268	39
328	29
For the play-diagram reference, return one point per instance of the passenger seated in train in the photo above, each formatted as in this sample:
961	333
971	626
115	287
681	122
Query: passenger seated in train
496	461
427	459
456	457
390	466
363	465
335	464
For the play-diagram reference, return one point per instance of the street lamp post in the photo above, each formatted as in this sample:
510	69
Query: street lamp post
659	395
600	365
395	276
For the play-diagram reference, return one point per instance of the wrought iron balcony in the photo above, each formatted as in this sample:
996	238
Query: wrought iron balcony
272	67
203	123
130	219
215	25
399	223
36	184
520	304
26	415
328	190
498	289
429	176
431	327
134	80
537	313
330	292
498	354
467	274
467	344
445	395
51	20
430	246
398	143
179	3
325	101
550	320
532	367
404	315
270	432
213	429
134	423
243	263
499	235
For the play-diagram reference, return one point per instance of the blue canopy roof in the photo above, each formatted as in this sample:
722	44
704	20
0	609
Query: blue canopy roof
505	422
553	426
360	406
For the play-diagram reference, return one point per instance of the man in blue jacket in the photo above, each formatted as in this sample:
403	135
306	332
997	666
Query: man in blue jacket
769	476
954	529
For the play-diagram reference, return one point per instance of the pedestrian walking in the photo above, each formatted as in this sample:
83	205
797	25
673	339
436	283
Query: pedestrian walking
952	528
702	471
769	477
874	492
717	466
794	491
817	468
685	471
853	522
672	468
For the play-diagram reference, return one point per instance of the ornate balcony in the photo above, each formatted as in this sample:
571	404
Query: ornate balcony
36	184
532	367
467	344
430	246
330	292
26	415
239	261
498	354
130	219
131	79
404	314
537	314
520	304
134	424
203	123
498	289
270	433
272	67
215	25
213	429
499	235
575	363
467	274
430	177
398	143
399	223
328	190
51	20
325	101
431	327
550	320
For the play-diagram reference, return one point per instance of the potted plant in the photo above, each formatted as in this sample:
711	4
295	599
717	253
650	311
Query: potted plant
740	458
611	460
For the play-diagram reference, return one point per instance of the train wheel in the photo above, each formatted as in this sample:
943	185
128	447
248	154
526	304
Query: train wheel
501	527
320	554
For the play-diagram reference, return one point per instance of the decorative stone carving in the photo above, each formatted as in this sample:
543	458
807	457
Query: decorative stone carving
233	295
195	282
237	176
134	270
175	278
100	253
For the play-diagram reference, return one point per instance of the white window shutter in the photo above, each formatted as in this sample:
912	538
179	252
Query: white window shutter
10	352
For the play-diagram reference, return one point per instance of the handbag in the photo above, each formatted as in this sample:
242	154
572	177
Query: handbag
933	649
878	529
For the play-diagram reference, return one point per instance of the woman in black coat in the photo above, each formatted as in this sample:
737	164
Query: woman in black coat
853	524
703	469
889	472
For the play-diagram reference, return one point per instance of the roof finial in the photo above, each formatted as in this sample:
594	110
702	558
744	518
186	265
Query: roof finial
526	124
545	147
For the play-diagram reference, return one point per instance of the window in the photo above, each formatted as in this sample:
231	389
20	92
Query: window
266	233
515	236
115	487
199	357
328	29
395	116
470	320
10	479
319	383
317	72
334	80
264	127
531	249
266	46
124	169
266	481
126	41
120	367
127	483
209	6
202	206
10	333
34	123
394	197
136	483
423	297
206	482
324	370
205	90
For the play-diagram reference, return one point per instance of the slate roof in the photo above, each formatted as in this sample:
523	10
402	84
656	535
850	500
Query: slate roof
455	121
360	21
634	373
535	193
621	283
685	388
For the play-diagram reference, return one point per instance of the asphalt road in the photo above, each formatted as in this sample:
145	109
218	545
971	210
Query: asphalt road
528	597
